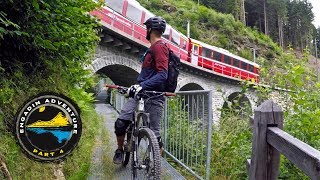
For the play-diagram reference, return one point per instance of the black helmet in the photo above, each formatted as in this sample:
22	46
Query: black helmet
156	23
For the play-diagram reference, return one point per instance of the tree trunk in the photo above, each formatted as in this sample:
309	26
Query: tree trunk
265	17
242	12
280	31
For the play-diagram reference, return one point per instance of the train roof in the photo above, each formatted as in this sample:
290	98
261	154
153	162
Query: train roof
224	51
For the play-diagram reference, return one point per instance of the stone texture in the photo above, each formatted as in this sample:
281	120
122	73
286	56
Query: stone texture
107	56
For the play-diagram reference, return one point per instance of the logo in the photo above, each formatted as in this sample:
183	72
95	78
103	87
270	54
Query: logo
48	127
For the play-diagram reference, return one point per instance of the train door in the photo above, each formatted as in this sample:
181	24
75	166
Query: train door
195	54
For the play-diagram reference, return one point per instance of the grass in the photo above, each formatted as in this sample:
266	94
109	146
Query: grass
19	166
108	166
77	164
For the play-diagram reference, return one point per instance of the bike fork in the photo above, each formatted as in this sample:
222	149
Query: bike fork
135	163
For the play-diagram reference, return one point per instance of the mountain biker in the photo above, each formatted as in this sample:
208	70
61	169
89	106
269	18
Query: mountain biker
152	77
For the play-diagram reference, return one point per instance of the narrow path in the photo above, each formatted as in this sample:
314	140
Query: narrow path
122	173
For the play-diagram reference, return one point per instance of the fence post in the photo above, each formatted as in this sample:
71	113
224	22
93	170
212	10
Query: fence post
264	158
165	126
209	136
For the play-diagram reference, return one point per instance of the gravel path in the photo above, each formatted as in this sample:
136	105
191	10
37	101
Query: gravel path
109	116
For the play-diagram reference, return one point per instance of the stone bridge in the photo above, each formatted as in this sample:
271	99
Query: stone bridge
119	60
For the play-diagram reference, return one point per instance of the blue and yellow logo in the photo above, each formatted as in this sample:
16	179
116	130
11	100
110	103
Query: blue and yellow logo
48	127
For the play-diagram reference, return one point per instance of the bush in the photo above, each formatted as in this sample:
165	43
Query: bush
44	46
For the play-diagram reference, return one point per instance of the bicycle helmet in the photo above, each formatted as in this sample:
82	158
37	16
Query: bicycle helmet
155	23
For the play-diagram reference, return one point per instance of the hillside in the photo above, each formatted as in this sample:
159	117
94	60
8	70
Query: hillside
214	28
222	30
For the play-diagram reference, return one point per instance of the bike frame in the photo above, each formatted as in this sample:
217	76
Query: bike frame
138	116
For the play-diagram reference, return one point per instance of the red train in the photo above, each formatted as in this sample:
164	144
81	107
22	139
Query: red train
126	17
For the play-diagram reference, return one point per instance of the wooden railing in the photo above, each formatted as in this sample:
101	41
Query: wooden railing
269	140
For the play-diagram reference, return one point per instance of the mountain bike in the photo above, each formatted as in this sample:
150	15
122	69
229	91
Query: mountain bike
140	141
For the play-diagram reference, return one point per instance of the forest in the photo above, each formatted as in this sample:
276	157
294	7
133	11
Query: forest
288	22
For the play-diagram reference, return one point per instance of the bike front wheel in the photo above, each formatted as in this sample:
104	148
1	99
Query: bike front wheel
148	154
127	150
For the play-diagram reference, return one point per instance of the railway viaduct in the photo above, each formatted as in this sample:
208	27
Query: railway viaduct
118	58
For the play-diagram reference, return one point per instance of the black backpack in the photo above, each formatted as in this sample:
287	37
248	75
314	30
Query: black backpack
173	70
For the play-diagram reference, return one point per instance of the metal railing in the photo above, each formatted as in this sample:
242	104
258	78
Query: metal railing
117	100
186	129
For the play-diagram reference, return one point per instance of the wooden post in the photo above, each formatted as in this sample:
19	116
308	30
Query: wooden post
264	158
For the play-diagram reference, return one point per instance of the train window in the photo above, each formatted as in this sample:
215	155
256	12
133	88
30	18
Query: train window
166	33
116	5
195	49
235	62
244	65
251	69
227	59
134	13
175	37
184	44
206	52
217	56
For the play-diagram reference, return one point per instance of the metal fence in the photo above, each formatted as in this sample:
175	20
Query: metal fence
186	129
117	100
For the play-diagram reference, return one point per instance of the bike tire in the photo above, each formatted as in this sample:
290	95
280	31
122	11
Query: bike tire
127	154
155	170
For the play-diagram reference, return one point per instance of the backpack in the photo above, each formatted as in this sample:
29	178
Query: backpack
173	70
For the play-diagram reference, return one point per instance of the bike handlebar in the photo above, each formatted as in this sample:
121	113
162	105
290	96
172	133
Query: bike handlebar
168	94
112	86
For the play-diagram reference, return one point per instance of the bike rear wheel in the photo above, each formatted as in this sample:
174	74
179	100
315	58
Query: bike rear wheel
148	154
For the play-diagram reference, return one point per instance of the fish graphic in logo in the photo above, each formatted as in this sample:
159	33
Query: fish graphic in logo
48	127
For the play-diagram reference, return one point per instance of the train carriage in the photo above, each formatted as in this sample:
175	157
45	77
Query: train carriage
222	61
127	18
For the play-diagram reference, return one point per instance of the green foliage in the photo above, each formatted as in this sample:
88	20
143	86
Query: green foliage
56	42
231	140
45	46
186	135
7	27
210	26
246	53
301	105
231	146
77	165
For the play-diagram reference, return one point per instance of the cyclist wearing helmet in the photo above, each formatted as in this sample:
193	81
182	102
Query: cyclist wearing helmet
152	77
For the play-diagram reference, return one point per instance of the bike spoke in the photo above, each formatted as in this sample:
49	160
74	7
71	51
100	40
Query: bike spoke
146	157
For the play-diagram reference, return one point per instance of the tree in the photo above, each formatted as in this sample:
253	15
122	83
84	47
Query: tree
299	26
277	19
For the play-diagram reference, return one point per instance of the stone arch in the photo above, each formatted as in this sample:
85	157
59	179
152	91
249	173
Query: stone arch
191	87
237	101
187	84
120	74
121	70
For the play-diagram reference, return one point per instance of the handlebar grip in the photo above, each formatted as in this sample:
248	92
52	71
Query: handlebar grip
112	86
170	94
